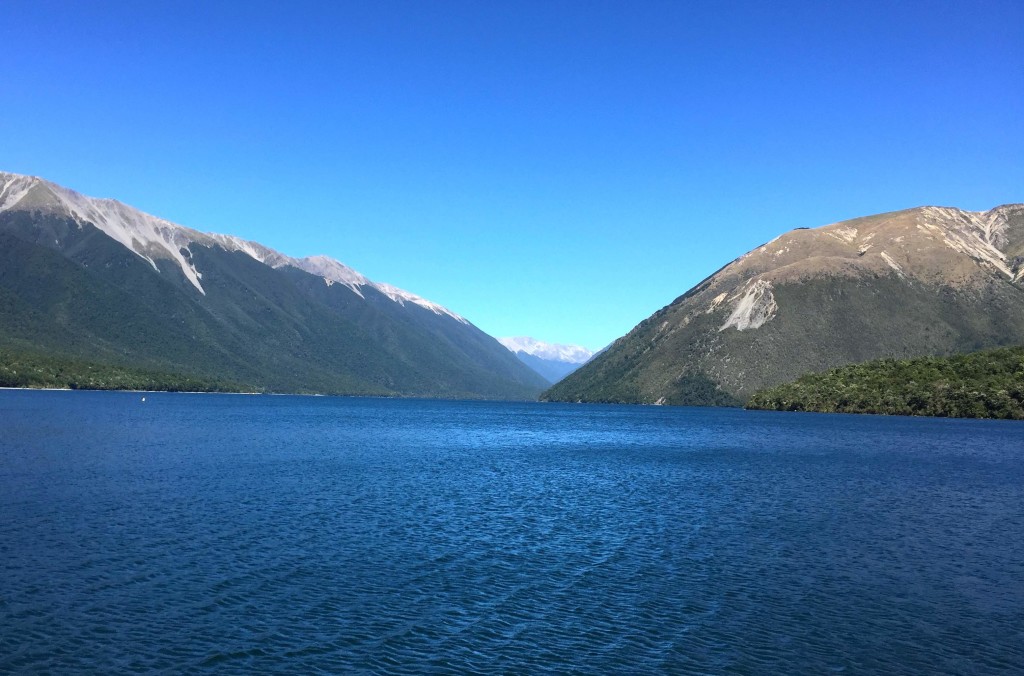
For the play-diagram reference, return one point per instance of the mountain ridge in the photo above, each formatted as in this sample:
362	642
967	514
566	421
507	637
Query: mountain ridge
134	290
916	282
150	236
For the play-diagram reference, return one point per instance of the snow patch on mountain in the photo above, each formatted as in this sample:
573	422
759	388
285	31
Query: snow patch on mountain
571	354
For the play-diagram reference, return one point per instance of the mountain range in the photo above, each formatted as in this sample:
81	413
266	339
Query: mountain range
98	279
102	282
918	282
553	361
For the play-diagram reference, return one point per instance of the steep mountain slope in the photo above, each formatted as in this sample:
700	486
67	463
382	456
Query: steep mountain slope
924	281
551	360
98	279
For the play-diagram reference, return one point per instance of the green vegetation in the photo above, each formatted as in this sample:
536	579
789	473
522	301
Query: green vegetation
27	369
280	330
986	384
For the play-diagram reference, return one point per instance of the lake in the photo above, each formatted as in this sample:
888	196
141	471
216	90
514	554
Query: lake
243	534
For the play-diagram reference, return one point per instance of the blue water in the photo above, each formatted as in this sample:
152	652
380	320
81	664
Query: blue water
252	533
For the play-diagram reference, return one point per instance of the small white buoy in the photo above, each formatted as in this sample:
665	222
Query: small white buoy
143	399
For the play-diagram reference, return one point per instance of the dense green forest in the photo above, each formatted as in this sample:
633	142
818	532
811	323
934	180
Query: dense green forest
28	369
987	384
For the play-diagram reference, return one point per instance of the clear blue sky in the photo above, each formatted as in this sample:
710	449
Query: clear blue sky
553	169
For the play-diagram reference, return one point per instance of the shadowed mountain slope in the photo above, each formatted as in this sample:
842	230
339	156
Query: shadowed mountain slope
99	280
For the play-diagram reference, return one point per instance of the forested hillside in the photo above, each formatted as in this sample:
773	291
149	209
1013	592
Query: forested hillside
987	384
28	369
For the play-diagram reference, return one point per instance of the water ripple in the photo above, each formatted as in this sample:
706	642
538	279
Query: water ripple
242	534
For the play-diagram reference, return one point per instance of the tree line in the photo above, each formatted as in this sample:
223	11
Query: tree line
20	368
985	384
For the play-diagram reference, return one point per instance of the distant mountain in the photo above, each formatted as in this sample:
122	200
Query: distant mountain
924	281
98	280
551	360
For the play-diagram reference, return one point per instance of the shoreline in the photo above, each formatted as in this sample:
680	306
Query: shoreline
95	389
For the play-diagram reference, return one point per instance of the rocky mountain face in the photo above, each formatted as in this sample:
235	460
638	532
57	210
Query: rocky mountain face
553	361
98	279
924	281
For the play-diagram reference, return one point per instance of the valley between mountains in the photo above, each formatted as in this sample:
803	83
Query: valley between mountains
90	286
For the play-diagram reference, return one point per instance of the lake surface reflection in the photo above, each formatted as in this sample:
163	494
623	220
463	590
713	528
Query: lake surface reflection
253	533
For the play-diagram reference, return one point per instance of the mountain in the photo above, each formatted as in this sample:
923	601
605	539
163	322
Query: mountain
919	282
551	360
98	280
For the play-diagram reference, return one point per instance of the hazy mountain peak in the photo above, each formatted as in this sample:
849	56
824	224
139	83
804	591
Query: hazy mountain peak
552	361
572	354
